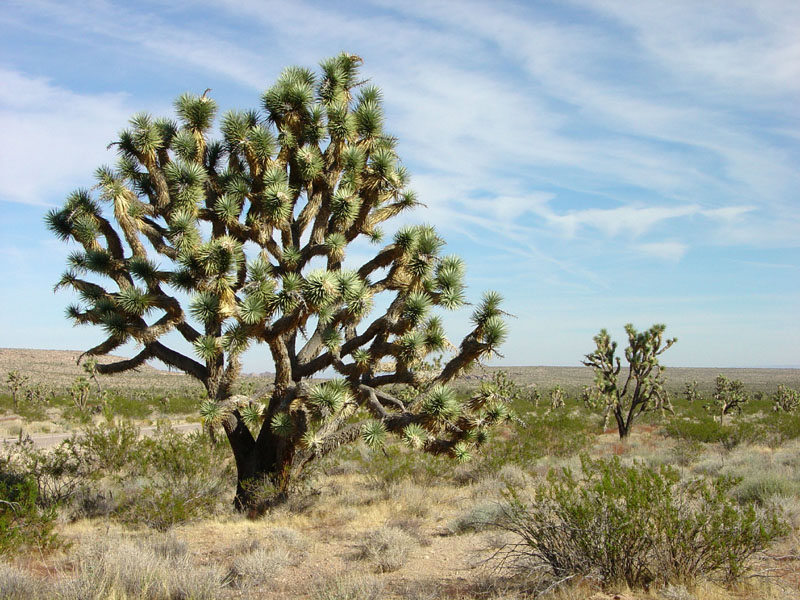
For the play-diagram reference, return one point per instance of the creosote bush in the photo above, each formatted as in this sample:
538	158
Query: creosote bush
636	525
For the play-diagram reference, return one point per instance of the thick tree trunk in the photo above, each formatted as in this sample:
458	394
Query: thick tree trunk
263	468
623	426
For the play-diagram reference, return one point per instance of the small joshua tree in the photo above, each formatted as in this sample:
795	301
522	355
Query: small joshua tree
557	398
729	396
786	399
254	229
16	383
642	388
535	395
690	391
90	368
593	400
79	391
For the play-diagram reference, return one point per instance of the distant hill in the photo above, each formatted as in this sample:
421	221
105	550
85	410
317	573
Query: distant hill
59	367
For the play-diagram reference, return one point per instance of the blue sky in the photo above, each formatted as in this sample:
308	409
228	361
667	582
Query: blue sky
596	162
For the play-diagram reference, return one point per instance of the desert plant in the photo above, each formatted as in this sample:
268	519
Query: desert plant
643	386
690	391
557	398
635	524
535	395
24	524
16	383
786	399
729	396
79	392
386	548
90	368
254	228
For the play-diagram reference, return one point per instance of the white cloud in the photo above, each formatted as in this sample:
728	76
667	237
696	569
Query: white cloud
53	137
668	251
629	220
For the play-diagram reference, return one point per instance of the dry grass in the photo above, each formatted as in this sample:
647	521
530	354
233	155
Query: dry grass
400	527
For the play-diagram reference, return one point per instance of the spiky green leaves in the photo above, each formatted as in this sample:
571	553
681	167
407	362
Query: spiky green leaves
373	433
196	112
252	414
187	184
330	398
340	74
208	347
416	308
282	425
369	113
441	403
291	95
488	319
205	307
415	436
133	301
319	288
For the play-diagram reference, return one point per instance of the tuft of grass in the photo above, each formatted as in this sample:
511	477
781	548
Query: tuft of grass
17	585
480	517
386	548
348	588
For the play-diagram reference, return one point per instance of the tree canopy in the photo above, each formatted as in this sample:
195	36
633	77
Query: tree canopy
225	243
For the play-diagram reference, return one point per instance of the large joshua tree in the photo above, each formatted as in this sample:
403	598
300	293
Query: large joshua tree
248	235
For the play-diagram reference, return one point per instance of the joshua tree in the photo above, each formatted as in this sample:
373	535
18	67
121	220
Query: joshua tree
643	387
90	368
254	228
79	391
690	391
786	399
729	396
16	382
557	398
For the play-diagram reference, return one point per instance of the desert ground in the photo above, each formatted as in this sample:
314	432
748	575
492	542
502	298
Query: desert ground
371	524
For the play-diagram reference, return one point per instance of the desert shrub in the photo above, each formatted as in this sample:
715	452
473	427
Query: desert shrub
23	524
480	517
16	585
709	431
386	548
117	568
762	488
181	478
635	524
397	464
68	471
348	588
107	447
257	567
556	433
58	473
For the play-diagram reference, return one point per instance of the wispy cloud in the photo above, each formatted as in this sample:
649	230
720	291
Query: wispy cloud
53	137
669	251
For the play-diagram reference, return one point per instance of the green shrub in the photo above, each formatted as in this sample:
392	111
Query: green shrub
709	431
23	525
636	524
181	477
